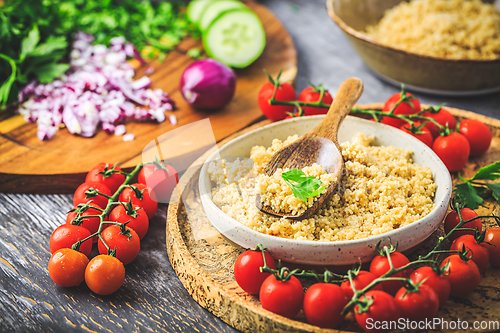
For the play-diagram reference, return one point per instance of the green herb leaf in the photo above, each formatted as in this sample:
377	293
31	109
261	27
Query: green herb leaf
51	71
495	191
490	172
304	187
470	194
29	42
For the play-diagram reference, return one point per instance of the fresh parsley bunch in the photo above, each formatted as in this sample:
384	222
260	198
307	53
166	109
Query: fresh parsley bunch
302	186
471	190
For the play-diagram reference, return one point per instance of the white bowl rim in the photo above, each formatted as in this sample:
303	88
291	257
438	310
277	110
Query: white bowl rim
376	238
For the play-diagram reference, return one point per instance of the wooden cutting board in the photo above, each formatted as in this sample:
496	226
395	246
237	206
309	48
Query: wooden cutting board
205	264
28	165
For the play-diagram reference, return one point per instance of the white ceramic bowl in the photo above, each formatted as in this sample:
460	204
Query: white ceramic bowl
339	252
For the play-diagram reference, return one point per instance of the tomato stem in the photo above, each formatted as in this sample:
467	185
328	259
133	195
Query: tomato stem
111	203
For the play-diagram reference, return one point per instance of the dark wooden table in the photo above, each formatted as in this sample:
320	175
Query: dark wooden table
152	297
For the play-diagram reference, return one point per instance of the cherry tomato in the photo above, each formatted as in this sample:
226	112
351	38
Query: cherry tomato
126	243
323	305
140	196
417	305
89	223
103	173
104	274
311	95
464	276
380	265
361	280
67	267
453	150
479	255
443	118
283	298
285	93
452	220
68	234
99	200
492	236
425	136
410	106
478	134
439	283
247	273
161	179
382	311
137	220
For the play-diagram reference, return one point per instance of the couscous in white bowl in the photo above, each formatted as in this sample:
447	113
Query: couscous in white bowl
329	252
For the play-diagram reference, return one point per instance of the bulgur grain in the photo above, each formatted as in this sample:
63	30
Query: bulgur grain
382	190
455	29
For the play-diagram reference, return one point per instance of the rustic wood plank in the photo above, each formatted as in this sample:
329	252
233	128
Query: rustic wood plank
152	299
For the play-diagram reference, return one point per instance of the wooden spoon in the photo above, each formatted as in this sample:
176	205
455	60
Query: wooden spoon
318	146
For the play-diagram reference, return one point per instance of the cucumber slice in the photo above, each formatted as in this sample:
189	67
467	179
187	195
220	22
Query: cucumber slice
214	9
236	38
195	9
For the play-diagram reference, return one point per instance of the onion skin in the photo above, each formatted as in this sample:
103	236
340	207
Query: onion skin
208	85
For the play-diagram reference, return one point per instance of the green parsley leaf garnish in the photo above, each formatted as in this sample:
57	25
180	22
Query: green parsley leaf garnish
303	187
470	191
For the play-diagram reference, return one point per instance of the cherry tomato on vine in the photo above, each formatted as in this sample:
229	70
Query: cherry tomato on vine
453	150
285	92
323	305
436	281
64	236
452	220
140	196
284	298
160	178
423	133
67	267
80	196
89	223
380	265
492	236
137	220
417	305
478	134
247	273
124	240
443	118
103	173
380	312
312	95
361	280
479	254
104	274
464	276
410	105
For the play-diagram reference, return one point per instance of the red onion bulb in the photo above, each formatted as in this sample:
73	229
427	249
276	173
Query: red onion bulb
207	84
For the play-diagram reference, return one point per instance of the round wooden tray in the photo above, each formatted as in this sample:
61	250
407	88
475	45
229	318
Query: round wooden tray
203	259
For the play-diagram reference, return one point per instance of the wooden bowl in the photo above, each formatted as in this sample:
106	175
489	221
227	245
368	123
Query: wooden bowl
338	252
418	72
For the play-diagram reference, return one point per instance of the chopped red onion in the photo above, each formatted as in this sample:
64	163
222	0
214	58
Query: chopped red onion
97	89
128	137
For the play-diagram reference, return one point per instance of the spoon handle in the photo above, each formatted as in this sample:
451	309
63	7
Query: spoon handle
345	98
